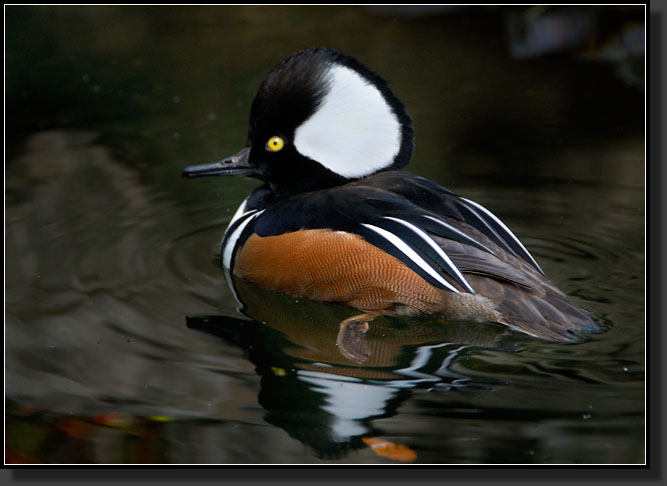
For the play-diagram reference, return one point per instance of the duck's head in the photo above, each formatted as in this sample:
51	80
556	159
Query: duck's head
319	119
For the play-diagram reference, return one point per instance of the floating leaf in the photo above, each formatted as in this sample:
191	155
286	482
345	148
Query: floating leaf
390	450
113	419
160	418
278	371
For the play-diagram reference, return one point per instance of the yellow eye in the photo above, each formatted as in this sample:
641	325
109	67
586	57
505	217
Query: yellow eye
275	144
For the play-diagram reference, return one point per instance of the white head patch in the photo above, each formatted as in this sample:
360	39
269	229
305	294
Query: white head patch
353	132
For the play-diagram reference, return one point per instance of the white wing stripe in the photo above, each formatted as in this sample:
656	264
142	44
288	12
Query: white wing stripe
437	249
503	226
458	232
411	254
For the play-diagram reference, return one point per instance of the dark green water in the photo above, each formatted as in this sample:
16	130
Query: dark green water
123	341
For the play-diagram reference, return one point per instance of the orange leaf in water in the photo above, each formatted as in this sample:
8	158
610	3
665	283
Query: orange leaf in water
113	419
390	450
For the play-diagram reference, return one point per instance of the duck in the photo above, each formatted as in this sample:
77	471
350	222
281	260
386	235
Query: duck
336	219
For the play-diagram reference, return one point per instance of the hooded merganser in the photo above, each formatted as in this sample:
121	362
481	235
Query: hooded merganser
336	221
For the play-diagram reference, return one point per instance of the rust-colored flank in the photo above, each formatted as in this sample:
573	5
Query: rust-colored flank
334	266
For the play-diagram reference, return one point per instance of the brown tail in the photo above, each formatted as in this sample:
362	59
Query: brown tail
542	310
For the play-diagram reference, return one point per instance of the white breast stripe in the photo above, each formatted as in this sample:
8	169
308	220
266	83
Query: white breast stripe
240	211
411	254
507	230
458	232
228	249
232	287
438	250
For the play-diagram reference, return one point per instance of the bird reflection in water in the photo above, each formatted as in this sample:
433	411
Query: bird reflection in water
324	382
